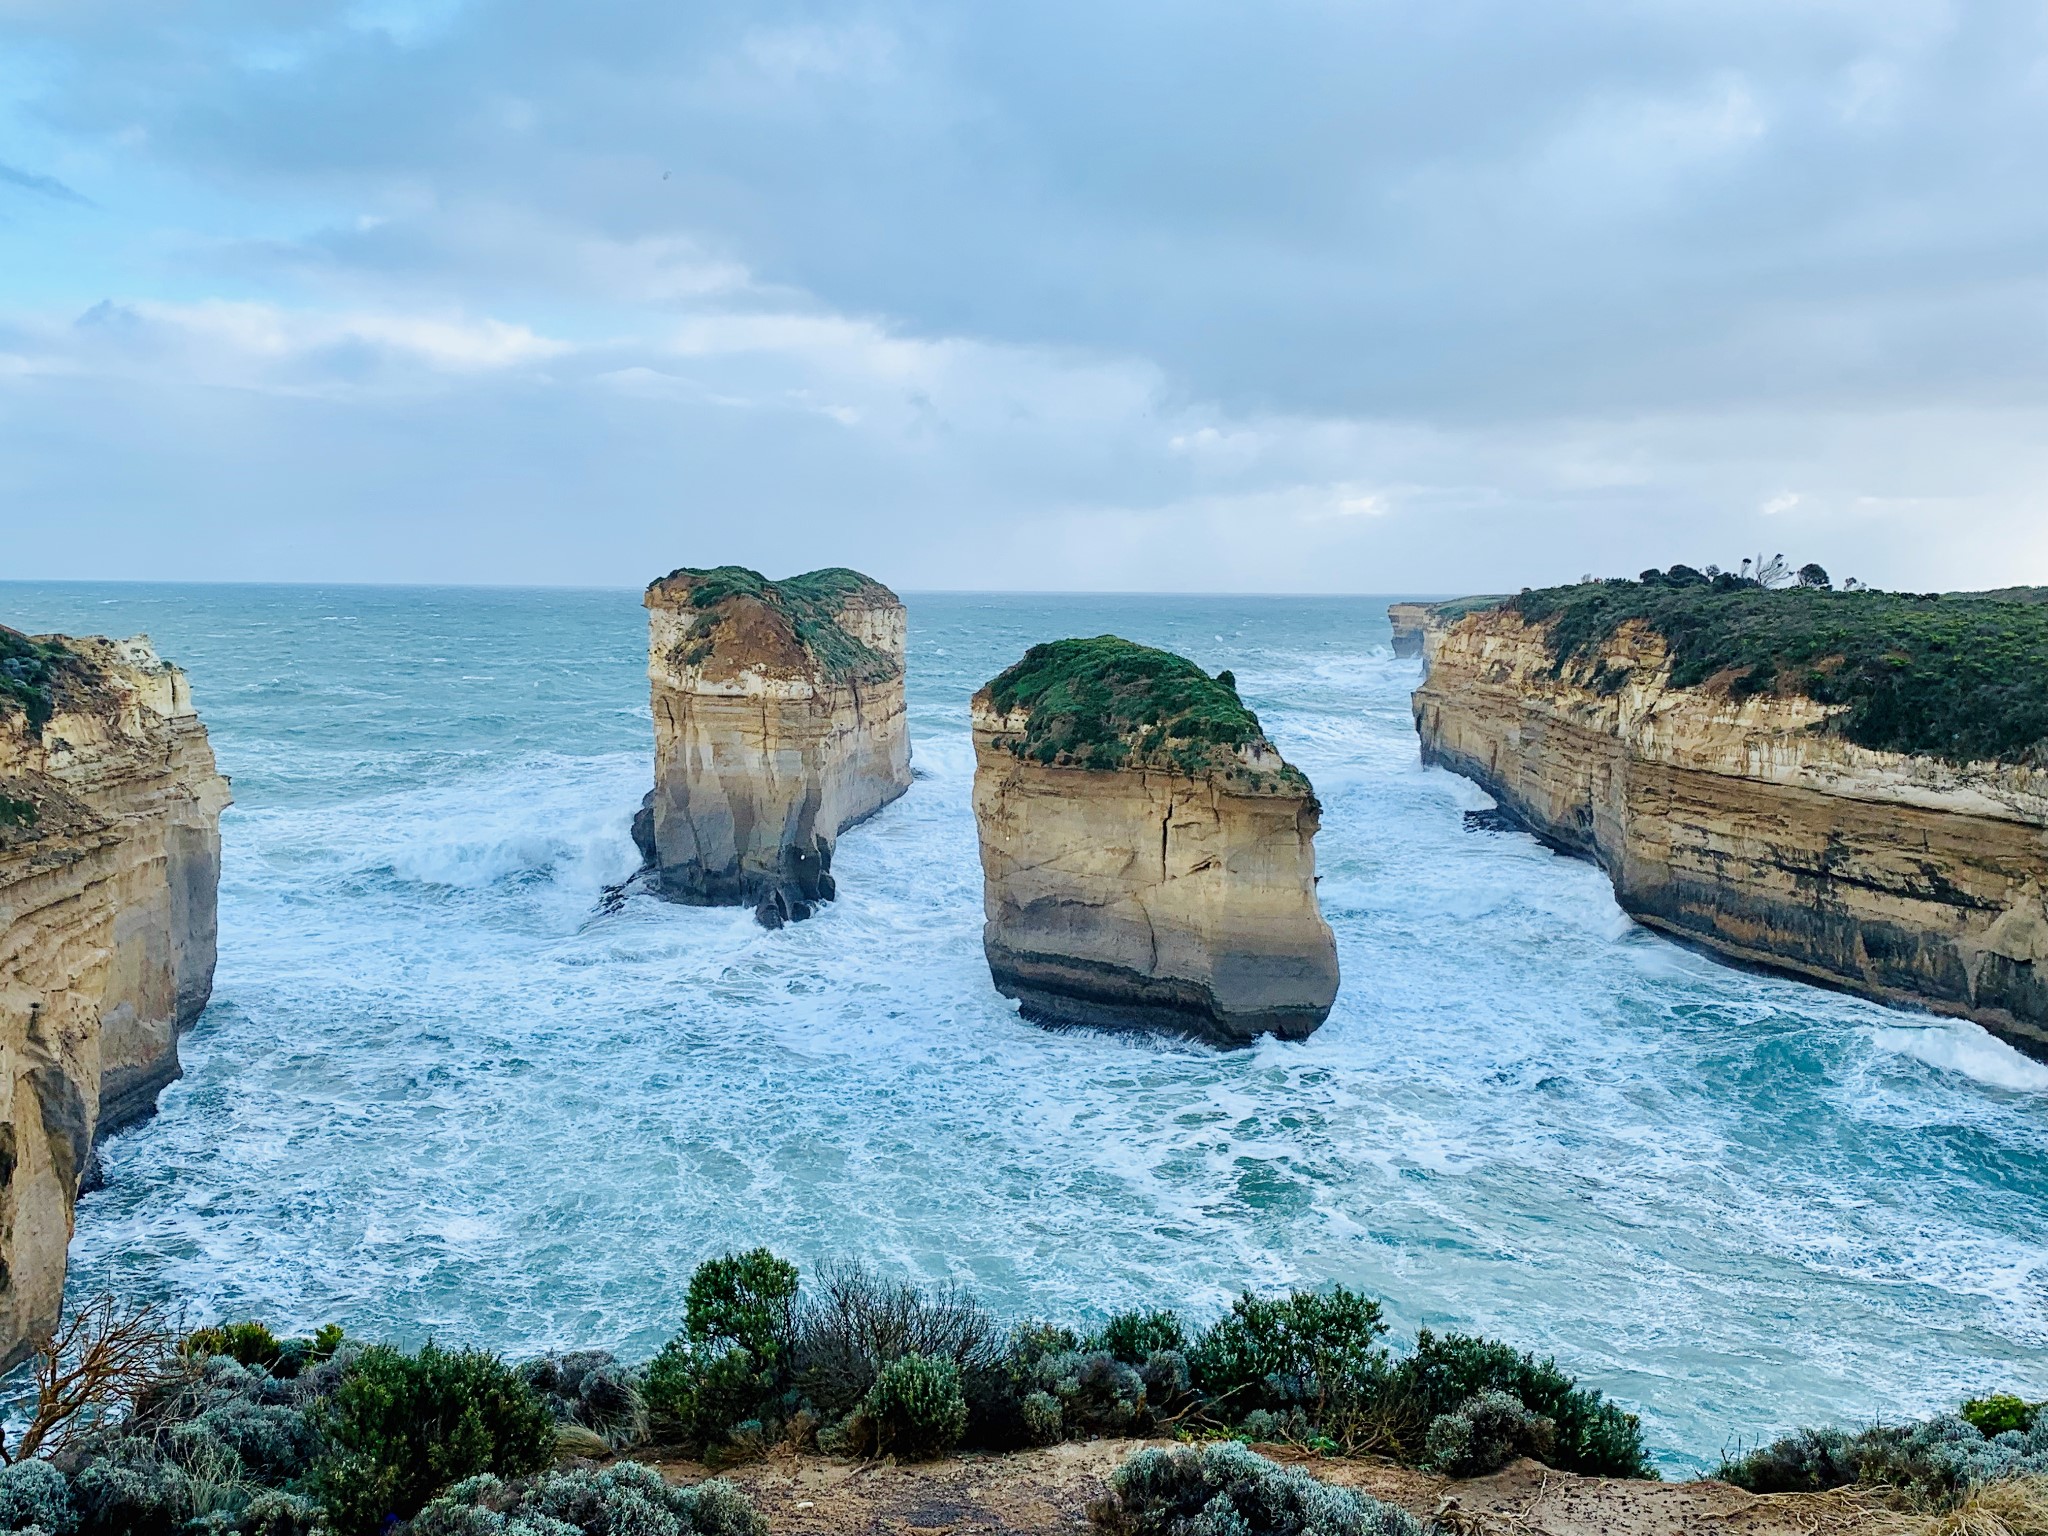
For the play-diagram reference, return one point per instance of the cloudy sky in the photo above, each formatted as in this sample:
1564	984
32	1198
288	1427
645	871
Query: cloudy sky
1365	295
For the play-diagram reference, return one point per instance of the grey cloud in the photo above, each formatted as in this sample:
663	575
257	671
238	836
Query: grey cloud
46	186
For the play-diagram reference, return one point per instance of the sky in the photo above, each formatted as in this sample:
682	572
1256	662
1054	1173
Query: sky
1307	295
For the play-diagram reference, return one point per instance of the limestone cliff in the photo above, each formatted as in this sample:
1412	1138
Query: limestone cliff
1148	858
1737	816
778	723
109	863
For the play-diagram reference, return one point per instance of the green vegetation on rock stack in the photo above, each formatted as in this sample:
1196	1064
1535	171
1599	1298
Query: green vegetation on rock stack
1109	703
1962	678
25	669
809	602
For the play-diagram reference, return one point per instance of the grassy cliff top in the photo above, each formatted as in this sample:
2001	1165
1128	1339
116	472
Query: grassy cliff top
809	603
1961	677
27	668
1110	703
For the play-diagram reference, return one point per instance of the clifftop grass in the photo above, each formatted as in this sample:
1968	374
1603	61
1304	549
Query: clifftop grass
25	672
1109	703
807	603
1963	677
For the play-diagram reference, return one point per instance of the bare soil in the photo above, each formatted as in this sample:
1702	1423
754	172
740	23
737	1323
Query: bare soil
1043	1492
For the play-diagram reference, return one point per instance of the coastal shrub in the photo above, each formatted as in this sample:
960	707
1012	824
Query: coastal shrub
275	1512
1263	1426
1444	1371
244	1343
856	1322
915	1411
1932	1463
27	669
34	1493
1044	1423
130	1487
400	1427
1223	1489
743	1299
1166	1377
591	1389
698	1393
1485	1433
1136	1336
1999	1412
1308	1349
1097	1393
624	1499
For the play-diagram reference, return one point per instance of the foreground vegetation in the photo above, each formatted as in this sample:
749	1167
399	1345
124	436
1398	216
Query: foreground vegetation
232	1429
1111	703
1939	1463
1956	677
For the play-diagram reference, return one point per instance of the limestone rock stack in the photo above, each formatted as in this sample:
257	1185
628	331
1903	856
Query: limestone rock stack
109	865
1738	821
1148	858
778	723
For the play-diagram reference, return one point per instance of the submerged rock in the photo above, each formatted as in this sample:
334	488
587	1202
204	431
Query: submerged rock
778	723
109	869
1148	858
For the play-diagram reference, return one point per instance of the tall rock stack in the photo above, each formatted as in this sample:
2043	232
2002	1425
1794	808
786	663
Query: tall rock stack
1148	858
109	866
778	723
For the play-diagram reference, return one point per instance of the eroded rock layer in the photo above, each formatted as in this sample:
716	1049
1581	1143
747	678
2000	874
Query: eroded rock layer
1123	888
109	865
778	723
1733	823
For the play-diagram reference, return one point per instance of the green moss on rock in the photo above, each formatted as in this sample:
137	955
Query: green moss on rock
809	603
1109	703
1963	678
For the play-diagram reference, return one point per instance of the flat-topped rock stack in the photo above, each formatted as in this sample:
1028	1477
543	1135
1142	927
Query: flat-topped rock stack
778	723
1148	858
109	867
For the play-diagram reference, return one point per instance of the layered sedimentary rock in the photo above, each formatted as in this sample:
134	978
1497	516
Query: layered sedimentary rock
1148	858
778	723
1745	823
1409	620
109	863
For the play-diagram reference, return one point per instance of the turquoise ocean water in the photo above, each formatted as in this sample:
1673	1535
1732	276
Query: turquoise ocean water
436	1093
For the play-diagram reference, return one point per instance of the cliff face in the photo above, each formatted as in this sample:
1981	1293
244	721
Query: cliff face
1150	895
1731	823
1409	621
778	723
109	863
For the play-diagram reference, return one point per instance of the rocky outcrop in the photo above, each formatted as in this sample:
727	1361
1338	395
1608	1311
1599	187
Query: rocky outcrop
109	863
1148	858
1409	620
778	723
1738	824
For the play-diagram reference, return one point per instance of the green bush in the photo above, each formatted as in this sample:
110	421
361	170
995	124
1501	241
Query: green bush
1999	1412
856	1322
131	1489
915	1411
1097	1394
1224	1489
590	1388
1932	1464
698	1393
400	1427
1485	1433
1445	1371
1136	1336
1306	1349
743	1299
247	1343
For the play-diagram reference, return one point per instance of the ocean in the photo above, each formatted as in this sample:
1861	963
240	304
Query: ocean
439	1093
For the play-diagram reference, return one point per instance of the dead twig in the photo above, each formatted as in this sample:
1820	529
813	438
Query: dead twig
98	1359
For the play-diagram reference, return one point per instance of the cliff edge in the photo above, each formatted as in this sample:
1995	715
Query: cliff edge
778	723
109	867
1850	787
1148	858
